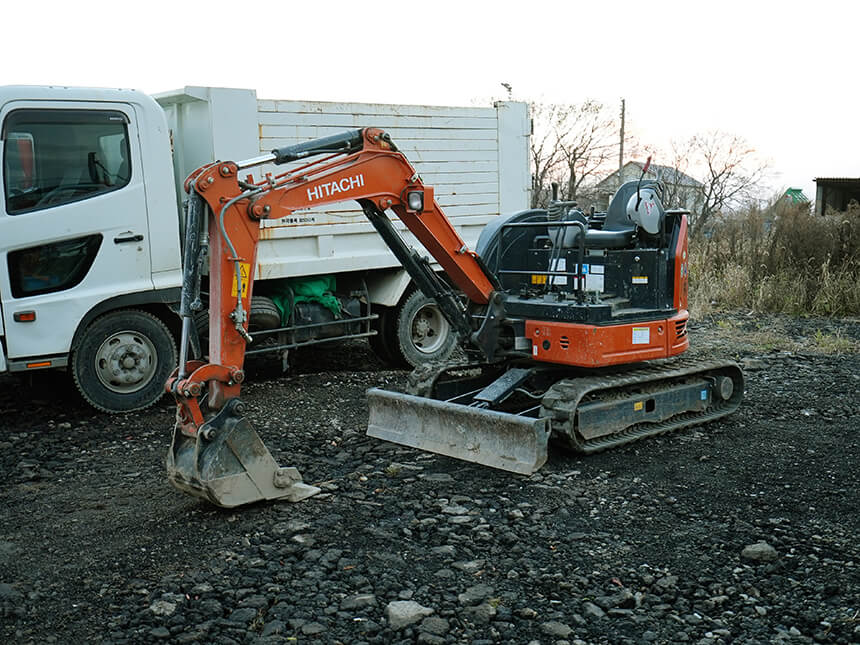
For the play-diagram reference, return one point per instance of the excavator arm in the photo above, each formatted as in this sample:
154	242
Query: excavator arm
216	454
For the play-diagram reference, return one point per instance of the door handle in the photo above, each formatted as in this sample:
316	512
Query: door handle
128	238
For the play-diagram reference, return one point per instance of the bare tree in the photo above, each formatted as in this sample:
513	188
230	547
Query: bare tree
570	144
731	174
587	136
675	192
544	151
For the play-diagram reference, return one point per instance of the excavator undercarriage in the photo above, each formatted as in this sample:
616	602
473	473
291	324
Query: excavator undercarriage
506	419
572	325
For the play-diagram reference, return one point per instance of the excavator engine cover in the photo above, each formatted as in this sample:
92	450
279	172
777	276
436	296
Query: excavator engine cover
227	464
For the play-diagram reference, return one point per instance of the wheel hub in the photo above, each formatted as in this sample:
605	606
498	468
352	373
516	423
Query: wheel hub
429	329
125	362
422	328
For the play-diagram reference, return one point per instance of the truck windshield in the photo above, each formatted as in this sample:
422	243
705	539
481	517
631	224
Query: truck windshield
53	157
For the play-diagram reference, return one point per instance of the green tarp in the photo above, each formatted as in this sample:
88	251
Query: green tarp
319	290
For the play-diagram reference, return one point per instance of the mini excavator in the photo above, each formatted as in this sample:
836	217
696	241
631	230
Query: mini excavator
571	325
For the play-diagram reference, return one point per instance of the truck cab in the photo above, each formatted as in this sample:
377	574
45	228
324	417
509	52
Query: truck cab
89	240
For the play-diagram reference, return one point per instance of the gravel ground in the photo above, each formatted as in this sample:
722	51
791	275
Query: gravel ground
742	531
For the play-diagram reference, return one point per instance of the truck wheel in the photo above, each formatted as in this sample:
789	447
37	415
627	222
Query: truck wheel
123	361
422	333
264	315
381	343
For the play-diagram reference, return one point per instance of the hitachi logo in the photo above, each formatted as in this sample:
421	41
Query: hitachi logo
333	187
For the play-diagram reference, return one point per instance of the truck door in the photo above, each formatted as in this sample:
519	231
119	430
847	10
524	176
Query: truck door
73	224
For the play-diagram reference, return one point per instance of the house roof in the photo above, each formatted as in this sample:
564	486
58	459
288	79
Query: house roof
655	171
796	196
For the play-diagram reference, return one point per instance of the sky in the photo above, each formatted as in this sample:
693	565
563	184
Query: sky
779	74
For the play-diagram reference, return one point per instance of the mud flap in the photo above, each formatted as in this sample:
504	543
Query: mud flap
506	441
227	464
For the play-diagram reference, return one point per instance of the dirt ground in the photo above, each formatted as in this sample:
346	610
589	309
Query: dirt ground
659	541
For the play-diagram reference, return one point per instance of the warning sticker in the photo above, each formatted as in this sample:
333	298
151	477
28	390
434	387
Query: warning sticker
560	266
594	282
245	272
641	335
637	407
640	279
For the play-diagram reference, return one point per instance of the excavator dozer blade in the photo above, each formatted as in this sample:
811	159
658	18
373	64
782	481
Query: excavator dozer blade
227	464
506	441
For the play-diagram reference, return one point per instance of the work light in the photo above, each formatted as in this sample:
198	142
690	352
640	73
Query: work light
415	200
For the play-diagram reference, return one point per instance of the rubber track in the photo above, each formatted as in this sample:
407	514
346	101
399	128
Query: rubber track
562	399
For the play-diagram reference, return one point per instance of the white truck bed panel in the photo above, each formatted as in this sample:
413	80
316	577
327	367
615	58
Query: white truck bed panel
456	150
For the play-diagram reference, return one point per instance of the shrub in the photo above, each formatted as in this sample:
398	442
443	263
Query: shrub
779	259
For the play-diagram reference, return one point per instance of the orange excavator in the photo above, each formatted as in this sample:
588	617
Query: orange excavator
567	321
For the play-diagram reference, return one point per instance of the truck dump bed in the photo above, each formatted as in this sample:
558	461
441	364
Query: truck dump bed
475	157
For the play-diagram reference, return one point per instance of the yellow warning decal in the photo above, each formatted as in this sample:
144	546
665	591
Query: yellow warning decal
637	407
245	272
538	279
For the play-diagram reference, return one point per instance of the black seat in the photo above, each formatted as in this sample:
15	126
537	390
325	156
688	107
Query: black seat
604	239
618	231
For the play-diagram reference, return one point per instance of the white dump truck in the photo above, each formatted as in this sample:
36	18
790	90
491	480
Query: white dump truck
91	222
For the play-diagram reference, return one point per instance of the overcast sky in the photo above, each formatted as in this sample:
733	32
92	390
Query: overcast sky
780	74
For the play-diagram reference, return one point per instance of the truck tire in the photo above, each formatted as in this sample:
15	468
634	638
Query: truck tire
381	343
123	361
421	333
264	315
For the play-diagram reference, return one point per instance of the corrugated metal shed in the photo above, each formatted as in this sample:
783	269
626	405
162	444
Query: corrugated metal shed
836	193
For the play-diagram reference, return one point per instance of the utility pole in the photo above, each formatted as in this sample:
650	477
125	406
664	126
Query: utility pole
621	146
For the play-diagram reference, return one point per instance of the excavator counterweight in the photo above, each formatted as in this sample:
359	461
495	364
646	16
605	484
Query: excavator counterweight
572	325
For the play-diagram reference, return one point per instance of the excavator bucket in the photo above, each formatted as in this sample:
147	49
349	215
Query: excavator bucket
509	442
227	464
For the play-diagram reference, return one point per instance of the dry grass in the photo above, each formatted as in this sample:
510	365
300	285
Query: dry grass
834	343
776	338
781	259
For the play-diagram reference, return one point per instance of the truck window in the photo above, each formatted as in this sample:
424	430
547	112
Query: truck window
53	157
51	267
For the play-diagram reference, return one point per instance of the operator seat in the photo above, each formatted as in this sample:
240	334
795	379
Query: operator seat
618	231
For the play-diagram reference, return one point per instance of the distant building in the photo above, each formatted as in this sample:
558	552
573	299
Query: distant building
682	191
835	193
795	196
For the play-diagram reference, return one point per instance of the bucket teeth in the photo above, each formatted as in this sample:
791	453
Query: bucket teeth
231	466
